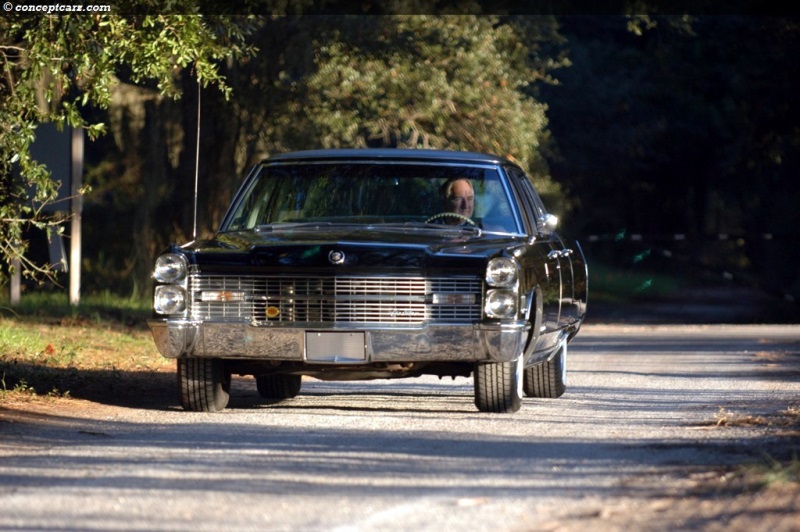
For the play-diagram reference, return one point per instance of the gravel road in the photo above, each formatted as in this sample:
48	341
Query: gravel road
654	424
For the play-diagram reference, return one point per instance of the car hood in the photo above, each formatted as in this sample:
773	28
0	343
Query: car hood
361	249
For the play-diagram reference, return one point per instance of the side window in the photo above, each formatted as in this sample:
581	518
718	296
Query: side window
533	207
541	212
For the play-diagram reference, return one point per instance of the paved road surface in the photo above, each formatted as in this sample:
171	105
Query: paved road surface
629	442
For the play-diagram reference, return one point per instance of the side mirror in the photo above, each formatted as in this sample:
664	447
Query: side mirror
548	224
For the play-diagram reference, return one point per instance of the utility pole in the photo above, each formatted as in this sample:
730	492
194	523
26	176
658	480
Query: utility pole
61	151
76	208
16	282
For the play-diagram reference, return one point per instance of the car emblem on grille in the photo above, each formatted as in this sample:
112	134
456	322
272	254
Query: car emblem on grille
336	257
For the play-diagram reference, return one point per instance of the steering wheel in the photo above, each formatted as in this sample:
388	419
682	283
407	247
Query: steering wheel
453	214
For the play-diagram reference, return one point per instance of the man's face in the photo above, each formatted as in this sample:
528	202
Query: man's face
462	199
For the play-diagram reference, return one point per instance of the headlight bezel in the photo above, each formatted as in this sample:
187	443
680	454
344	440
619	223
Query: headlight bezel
170	268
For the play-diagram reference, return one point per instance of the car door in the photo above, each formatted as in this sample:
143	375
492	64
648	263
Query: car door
570	309
572	268
544	259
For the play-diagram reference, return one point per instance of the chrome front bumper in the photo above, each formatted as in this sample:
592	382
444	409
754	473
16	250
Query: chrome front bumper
491	342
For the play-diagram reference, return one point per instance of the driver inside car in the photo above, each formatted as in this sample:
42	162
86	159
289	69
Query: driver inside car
459	202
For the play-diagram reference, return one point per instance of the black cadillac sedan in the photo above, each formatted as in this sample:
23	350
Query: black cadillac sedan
374	264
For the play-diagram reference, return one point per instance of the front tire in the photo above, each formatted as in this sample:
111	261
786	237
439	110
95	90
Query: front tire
548	379
498	386
204	385
279	387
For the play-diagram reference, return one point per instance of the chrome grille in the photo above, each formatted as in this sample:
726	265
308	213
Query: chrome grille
403	300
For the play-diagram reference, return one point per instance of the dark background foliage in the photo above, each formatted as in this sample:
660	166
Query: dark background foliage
688	130
667	144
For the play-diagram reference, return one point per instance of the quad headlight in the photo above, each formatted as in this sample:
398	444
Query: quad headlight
169	299
502	299
502	272
170	267
501	304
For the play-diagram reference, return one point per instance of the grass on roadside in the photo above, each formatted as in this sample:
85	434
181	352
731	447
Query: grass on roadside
771	472
48	348
102	308
618	285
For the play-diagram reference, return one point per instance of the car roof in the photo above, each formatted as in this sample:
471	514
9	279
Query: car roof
389	154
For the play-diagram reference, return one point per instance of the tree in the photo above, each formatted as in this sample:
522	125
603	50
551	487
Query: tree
442	82
448	82
55	67
461	82
427	81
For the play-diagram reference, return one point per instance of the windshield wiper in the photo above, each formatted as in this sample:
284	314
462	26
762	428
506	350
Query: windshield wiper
468	231
293	226
460	230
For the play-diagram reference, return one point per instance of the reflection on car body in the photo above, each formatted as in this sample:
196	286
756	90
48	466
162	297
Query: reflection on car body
335	264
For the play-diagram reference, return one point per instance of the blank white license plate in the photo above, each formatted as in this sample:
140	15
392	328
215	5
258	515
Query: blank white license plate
336	347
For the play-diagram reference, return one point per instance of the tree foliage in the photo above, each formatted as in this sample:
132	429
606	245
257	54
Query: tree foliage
56	66
324	81
460	82
425	81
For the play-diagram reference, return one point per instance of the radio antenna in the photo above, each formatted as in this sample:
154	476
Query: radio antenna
196	163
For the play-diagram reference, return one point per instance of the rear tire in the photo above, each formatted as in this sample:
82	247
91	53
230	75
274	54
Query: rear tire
279	387
548	379
204	385
498	386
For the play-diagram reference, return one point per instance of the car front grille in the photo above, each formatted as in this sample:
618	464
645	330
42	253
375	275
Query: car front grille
332	300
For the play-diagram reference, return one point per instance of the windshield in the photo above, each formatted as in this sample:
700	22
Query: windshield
375	193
